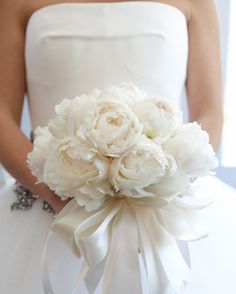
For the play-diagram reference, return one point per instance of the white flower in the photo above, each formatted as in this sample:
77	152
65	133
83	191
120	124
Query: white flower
141	166
70	173
111	127
191	149
159	117
169	187
37	157
70	115
125	92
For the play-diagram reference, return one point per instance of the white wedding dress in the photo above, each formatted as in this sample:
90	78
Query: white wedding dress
70	49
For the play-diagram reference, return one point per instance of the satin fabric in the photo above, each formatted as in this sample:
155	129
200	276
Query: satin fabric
71	48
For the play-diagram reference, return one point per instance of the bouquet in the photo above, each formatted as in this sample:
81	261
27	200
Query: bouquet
129	164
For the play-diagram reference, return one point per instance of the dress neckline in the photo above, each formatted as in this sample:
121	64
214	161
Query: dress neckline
123	3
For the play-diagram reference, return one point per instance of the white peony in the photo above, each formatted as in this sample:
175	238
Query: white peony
123	92
111	127
119	143
70	173
70	115
37	157
169	187
141	166
159	117
191	149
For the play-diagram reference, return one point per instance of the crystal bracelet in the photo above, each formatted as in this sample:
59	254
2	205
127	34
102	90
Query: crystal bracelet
25	198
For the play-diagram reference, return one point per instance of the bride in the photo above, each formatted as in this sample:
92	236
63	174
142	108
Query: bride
51	50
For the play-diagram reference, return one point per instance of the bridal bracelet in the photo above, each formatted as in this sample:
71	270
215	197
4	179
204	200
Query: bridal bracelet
25	198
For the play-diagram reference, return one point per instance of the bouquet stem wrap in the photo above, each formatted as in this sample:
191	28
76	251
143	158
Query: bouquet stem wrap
110	239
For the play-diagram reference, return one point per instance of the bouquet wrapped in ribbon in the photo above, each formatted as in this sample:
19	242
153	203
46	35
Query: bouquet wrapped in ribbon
129	164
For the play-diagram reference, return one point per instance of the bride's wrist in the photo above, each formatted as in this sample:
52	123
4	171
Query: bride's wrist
56	202
44	192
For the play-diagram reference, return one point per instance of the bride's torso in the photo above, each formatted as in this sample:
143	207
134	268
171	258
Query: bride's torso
72	48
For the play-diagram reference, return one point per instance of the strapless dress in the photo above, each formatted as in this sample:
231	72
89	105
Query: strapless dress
70	49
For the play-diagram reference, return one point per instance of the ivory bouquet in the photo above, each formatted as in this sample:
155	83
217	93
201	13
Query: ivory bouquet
130	164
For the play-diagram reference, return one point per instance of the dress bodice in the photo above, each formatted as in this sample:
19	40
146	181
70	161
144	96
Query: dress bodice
72	48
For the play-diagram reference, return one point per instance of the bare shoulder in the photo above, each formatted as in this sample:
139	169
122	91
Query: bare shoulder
203	9
182	5
204	25
19	11
12	11
31	6
202	4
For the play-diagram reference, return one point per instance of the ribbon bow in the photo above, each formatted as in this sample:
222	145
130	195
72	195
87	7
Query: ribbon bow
110	239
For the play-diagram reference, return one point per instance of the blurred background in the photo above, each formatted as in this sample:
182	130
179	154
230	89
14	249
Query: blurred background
227	151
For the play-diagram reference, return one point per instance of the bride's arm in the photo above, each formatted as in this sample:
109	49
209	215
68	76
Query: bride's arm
14	145
204	79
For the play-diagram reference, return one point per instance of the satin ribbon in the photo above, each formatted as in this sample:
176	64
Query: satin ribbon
110	238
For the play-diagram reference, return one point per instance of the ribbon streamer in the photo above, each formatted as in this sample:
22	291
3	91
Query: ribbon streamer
109	240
